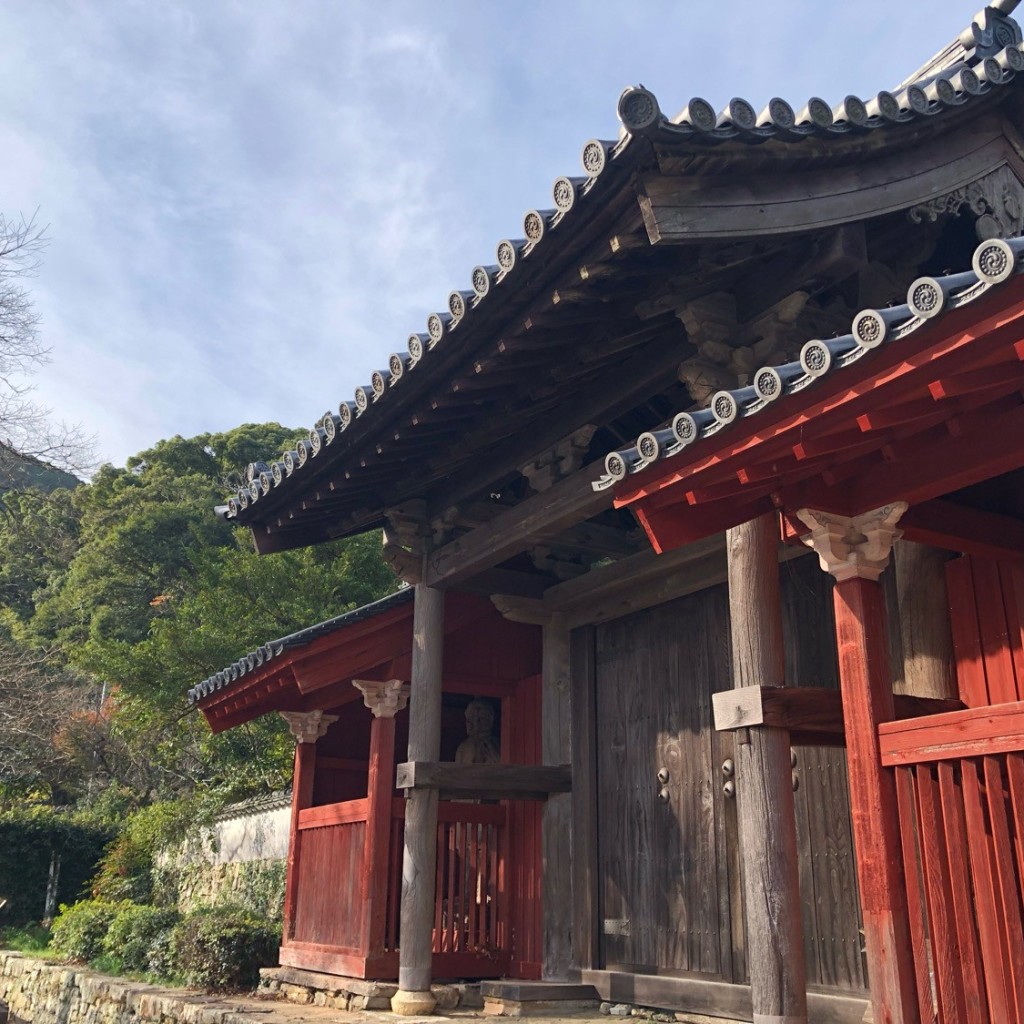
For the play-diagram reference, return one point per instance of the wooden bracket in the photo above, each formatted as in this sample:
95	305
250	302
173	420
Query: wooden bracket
485	781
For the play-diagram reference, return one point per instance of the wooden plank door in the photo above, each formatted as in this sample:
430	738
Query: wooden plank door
669	870
668	898
828	871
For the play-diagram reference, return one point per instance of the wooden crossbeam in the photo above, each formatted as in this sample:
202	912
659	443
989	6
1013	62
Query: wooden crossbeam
972	732
486	781
812	715
560	506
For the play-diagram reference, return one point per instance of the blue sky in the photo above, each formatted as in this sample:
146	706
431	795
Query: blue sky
251	204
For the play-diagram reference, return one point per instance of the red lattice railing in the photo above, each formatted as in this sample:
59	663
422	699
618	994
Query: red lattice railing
960	787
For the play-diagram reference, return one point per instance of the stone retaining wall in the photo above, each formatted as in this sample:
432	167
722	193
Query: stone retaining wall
36	992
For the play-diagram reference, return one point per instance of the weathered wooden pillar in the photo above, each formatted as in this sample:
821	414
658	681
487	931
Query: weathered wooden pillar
420	857
385	700
764	783
926	639
856	551
556	823
306	727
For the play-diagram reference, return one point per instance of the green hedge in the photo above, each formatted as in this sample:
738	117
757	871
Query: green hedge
80	931
134	934
223	948
28	838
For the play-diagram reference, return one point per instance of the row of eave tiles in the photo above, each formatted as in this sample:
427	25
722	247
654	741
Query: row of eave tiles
641	116
994	262
267	652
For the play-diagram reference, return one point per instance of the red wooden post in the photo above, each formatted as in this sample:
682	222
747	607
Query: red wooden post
385	700
307	727
856	551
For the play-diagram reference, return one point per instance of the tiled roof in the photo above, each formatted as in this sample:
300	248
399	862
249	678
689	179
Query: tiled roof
269	651
992	59
994	262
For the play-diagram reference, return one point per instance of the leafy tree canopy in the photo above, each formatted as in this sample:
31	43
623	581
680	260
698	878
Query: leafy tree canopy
131	587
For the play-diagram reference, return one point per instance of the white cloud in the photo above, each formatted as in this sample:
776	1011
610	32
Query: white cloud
253	204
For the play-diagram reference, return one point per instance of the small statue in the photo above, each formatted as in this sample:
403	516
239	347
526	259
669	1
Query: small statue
479	746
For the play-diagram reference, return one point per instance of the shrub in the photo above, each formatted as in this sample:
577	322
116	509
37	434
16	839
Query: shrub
223	948
133	933
126	870
79	930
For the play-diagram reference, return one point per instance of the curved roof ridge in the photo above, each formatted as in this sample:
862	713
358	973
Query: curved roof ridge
606	163
301	638
995	261
990	30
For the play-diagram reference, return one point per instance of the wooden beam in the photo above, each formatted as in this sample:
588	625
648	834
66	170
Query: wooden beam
690	208
564	504
807	709
485	781
764	790
947	524
972	732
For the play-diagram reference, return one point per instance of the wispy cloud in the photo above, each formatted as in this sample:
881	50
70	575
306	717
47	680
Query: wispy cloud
251	205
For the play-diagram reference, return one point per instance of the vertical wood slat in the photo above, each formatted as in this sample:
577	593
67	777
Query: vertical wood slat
906	800
970	670
394	881
945	951
1015	775
443	908
963	910
995	647
986	907
1009	883
1012	580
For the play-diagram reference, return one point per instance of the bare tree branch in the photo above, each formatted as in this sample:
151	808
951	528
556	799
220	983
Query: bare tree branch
26	428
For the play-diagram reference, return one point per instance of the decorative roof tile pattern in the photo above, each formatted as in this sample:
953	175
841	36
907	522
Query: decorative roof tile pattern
275	648
990	61
995	261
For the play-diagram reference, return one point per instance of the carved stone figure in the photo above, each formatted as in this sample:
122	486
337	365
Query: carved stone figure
479	746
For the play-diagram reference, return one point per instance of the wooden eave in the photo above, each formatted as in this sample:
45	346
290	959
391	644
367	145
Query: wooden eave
922	417
588	264
317	676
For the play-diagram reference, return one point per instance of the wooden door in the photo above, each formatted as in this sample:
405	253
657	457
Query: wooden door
668	896
669	862
828	872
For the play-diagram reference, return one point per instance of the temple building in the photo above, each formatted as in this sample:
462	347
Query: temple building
706	691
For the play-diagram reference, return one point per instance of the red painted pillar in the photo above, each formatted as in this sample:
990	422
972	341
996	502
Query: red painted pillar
307	727
856	551
385	700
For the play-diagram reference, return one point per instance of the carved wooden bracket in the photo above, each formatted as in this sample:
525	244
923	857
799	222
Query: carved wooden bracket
996	200
851	547
384	699
308	726
405	564
561	460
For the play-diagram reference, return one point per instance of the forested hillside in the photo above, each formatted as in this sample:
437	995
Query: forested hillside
117	595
